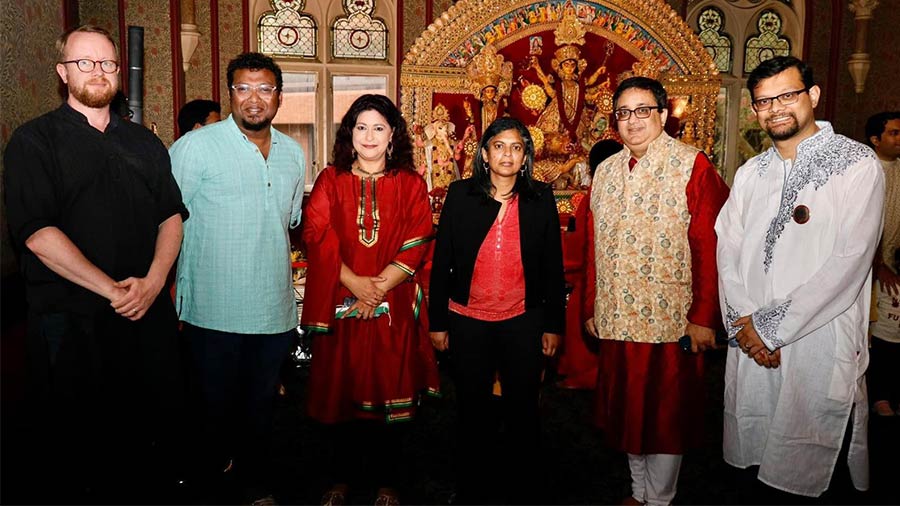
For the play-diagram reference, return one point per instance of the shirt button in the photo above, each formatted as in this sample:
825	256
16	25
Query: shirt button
270	185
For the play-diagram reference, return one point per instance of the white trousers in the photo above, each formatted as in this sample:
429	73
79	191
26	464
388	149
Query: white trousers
654	477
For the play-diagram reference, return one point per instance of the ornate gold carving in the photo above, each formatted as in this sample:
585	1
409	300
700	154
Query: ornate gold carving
428	67
569	31
488	68
537	137
534	98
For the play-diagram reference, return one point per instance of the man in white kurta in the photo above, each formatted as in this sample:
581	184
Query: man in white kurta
795	245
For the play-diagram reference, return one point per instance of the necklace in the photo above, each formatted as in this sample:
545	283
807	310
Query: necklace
367	173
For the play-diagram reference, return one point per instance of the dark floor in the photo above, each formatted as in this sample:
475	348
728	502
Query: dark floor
578	469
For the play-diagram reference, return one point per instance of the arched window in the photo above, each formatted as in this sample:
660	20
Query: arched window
358	34
768	43
319	86
763	29
287	31
712	26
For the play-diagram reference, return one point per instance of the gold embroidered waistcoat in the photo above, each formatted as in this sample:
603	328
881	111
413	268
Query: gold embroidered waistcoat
641	245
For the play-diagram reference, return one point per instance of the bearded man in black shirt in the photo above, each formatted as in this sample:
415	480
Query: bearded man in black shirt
96	219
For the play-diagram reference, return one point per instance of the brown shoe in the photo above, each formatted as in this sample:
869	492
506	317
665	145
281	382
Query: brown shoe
630	501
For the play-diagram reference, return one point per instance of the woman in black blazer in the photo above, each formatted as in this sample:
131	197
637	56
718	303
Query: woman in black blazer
497	301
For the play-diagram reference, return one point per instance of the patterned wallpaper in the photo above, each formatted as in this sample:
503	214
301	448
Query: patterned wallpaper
153	15
197	79
231	43
413	24
30	86
103	13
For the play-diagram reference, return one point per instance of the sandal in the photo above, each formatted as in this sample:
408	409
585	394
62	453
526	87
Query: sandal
387	497
268	500
883	408
334	497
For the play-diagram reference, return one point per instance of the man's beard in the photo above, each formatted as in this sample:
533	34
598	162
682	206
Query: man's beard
784	131
256	127
95	99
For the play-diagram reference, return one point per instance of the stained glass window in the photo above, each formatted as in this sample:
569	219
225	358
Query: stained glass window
358	34
712	22
767	43
753	139
297	116
287	31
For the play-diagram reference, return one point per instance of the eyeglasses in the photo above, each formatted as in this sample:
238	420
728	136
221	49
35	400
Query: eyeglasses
264	90
788	98
639	112
85	65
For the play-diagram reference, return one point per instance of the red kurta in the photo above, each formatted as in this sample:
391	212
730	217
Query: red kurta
373	368
578	360
650	396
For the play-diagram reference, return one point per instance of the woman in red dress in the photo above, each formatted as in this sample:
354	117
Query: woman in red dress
367	225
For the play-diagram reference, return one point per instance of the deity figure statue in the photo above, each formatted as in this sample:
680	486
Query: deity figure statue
441	151
490	81
566	113
567	119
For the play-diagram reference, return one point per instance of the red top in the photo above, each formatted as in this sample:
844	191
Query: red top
498	280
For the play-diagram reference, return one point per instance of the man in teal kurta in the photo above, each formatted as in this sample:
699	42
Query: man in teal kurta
243	182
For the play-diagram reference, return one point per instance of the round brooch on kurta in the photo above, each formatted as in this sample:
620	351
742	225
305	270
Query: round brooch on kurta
801	214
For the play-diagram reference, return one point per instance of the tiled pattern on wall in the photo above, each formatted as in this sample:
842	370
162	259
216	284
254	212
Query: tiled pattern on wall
31	86
153	15
197	79
231	42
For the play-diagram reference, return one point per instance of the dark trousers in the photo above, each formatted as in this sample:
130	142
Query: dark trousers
237	376
105	398
884	382
488	472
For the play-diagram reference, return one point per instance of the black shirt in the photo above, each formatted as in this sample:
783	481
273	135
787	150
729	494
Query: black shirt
107	191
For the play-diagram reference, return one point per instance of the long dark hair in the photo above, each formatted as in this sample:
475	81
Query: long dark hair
401	153
525	183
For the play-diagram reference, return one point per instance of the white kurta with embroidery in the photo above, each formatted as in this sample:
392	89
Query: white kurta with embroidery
808	287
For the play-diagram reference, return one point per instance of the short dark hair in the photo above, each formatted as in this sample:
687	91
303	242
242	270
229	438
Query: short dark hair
525	183
775	66
643	83
601	151
876	123
253	61
196	111
401	145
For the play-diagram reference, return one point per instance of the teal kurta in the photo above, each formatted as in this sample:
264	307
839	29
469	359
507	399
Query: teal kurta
234	272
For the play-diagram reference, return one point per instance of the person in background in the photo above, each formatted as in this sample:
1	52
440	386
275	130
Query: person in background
96	220
243	182
796	242
652	279
578	358
498	303
367	229
883	135
198	113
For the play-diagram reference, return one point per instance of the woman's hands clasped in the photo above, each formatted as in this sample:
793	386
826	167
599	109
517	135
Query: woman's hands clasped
368	294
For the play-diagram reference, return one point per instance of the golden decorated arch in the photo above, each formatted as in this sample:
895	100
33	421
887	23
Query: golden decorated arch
517	47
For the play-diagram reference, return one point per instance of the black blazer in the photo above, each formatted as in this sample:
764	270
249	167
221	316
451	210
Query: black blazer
466	219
